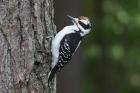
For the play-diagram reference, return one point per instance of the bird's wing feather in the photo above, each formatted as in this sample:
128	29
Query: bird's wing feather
68	46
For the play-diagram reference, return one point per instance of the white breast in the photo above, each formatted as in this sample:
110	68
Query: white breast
56	42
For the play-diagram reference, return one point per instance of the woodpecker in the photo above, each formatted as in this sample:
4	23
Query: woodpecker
66	42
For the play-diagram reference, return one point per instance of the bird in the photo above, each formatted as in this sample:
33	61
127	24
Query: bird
66	42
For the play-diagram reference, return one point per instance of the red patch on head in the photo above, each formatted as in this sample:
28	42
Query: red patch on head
83	18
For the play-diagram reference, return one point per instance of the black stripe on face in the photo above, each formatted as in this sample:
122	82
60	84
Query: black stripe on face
84	25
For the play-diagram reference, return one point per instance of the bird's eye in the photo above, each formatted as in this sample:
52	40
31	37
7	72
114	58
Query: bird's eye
84	25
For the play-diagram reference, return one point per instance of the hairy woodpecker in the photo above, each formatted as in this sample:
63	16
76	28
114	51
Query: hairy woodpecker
66	42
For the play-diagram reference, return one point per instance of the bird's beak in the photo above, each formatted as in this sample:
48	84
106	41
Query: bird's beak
72	18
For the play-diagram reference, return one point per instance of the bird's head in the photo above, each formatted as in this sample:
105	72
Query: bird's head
83	24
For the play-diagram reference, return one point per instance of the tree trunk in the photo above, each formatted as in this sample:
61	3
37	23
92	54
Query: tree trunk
26	29
103	70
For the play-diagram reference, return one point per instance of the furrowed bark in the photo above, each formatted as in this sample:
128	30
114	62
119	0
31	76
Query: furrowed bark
26	30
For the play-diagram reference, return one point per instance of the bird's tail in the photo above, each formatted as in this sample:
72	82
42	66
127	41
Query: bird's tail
52	73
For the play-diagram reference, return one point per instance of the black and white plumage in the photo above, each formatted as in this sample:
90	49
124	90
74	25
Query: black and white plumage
66	42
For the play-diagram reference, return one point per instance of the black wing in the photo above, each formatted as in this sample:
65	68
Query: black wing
67	48
68	45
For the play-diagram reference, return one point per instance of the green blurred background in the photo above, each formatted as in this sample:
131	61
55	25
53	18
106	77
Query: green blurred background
108	60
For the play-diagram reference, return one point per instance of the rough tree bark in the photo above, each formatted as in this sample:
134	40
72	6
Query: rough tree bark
26	28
